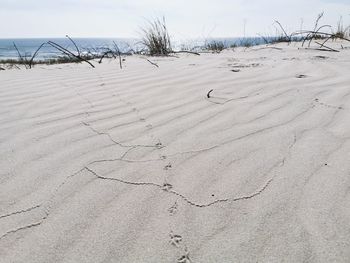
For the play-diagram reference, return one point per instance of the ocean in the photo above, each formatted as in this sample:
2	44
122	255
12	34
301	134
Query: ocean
28	46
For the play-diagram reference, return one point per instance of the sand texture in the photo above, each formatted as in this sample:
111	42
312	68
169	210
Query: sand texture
138	165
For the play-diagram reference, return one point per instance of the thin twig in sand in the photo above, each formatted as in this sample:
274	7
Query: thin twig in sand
208	94
154	64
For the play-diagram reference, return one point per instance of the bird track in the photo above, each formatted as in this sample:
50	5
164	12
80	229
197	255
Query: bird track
167	188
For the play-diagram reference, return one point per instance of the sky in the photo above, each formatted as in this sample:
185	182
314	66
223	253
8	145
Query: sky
185	19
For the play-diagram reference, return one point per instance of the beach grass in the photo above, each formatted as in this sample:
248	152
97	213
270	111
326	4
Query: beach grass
156	38
59	60
215	46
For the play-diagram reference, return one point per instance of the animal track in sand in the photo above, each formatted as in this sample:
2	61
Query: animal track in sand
131	147
301	76
328	105
185	258
175	240
173	209
159	145
168	166
167	187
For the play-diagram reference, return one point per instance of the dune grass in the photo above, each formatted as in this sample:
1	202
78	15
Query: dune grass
341	31
156	38
156	41
58	60
215	46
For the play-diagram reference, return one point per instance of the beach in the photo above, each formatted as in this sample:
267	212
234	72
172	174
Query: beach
241	156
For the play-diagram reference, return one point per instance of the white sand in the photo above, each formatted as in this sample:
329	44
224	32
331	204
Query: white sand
136	165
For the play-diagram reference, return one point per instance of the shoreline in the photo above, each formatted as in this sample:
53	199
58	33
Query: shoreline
214	48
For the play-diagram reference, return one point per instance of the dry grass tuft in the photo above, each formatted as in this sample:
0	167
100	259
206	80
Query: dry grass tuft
215	46
156	38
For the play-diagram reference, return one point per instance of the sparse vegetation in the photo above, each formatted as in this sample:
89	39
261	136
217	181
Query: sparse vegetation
319	32
246	43
324	33
341	32
58	60
68	56
156	42
156	38
283	37
215	46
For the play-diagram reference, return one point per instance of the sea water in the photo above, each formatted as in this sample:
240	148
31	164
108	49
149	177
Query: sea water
27	47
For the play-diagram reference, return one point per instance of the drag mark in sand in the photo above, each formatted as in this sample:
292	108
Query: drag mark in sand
166	189
31	225
75	193
20	211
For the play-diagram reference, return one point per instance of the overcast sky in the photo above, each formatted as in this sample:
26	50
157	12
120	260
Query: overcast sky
185	18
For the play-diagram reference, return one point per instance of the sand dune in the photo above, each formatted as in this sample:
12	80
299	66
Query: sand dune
138	165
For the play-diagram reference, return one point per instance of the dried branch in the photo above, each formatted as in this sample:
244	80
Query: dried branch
321	33
318	19
208	94
20	56
322	49
277	48
118	51
34	55
68	53
314	34
324	42
106	54
76	47
330	49
185	51
285	33
154	64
